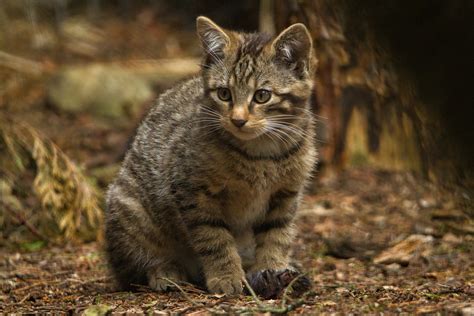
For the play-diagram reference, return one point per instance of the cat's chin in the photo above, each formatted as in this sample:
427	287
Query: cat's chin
244	135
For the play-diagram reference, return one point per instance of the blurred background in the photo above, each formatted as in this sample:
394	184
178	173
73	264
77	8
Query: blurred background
392	198
393	92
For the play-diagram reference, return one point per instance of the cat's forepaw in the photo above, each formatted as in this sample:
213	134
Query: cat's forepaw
272	283
230	285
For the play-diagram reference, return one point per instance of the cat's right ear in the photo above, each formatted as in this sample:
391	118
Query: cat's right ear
213	38
293	48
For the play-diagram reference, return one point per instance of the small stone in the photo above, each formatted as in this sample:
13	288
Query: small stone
427	202
340	276
393	267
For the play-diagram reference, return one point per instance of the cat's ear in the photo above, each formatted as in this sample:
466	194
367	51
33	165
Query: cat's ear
293	48
213	38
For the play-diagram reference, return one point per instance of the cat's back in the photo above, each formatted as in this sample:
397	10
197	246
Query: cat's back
175	106
170	121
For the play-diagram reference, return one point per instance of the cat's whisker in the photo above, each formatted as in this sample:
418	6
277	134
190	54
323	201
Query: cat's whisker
282	117
289	124
207	119
208	131
210	124
291	127
205	107
211	115
263	130
283	131
210	111
308	134
274	132
311	113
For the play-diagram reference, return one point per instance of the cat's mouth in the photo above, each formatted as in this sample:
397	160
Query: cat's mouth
244	132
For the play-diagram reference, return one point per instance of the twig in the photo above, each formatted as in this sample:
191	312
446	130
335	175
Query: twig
252	292
82	282
284	308
27	287
27	296
23	221
182	291
290	286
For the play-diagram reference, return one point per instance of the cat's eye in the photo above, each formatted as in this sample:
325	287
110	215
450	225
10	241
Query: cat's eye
262	96
224	94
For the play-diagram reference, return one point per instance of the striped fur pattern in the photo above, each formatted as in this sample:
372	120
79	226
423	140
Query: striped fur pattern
200	199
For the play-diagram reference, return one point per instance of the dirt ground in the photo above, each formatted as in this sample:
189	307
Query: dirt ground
370	241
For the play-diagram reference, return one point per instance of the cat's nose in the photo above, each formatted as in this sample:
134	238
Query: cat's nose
238	122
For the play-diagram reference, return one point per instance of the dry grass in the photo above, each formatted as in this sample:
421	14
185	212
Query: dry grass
59	185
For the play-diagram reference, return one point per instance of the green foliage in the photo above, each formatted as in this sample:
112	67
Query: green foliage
33	246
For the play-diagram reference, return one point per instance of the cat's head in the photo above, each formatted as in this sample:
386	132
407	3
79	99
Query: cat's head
254	84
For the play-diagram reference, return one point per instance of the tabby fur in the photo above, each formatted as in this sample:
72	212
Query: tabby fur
202	200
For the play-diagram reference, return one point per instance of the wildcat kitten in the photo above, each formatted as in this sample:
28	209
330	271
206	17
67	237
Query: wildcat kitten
211	183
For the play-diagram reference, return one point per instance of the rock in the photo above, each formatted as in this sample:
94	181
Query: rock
406	250
105	91
393	267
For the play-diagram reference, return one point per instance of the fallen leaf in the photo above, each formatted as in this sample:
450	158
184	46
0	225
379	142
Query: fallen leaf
97	310
406	250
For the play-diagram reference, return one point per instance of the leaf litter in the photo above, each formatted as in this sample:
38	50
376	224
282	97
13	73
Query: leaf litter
376	248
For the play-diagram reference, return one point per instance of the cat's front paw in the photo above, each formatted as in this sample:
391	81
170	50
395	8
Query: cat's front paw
231	285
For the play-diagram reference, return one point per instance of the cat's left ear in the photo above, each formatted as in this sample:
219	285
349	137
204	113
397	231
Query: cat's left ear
213	38
294	48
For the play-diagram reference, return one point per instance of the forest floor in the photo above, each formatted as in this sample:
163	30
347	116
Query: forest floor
371	242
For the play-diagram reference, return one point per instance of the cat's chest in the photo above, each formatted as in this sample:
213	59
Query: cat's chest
248	192
245	206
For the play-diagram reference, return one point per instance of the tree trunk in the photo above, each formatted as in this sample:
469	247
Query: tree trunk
370	109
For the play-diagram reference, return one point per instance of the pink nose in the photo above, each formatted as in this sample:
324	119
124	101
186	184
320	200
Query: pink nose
239	122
